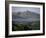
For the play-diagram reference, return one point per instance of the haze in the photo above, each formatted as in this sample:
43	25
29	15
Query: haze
22	9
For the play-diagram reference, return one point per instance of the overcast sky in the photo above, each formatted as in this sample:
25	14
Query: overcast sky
22	9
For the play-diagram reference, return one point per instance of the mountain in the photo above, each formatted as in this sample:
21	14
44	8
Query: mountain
25	15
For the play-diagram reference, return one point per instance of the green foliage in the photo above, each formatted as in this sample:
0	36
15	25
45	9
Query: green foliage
28	26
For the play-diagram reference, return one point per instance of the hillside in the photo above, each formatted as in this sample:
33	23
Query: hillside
25	16
25	21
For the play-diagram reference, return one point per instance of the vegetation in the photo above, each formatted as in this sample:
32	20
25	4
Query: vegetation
26	18
27	26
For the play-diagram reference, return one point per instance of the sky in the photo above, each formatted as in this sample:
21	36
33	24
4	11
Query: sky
22	9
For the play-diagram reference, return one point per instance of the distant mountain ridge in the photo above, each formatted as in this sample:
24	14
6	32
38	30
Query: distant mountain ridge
25	15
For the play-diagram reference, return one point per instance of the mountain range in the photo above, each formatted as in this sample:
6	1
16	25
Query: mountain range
25	15
22	17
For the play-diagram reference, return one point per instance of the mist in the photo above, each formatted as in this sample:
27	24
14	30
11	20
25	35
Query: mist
22	9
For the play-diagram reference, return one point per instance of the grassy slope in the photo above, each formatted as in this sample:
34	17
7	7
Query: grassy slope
32	26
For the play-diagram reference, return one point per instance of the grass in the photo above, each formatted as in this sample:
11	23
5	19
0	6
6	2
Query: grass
29	26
